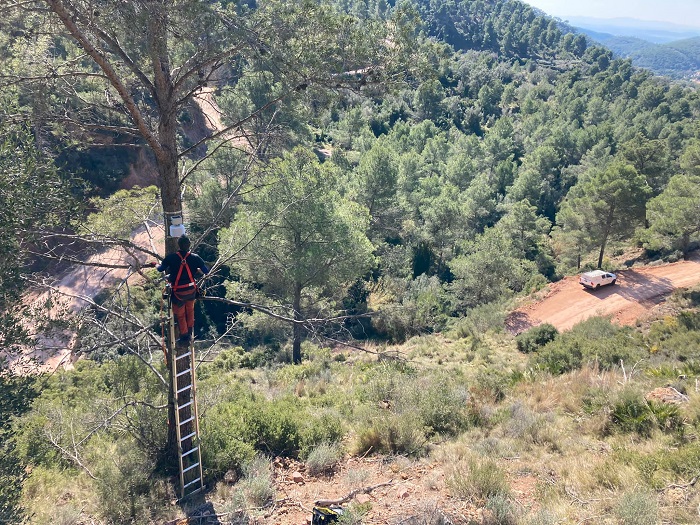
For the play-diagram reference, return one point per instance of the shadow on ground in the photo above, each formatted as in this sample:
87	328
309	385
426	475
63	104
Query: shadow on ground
636	287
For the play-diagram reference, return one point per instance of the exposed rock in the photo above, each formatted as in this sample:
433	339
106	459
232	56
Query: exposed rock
231	477
402	493
667	394
297	478
362	499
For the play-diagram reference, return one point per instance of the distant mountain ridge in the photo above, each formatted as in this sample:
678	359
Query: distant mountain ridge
662	47
653	31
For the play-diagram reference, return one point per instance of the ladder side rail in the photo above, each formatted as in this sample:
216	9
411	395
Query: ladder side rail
173	369
196	416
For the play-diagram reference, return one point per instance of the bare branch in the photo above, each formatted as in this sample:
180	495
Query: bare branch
99	57
349	496
237	125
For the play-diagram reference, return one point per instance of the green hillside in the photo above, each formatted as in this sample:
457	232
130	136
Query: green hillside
676	59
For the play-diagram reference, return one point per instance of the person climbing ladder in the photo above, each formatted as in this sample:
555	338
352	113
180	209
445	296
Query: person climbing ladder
181	267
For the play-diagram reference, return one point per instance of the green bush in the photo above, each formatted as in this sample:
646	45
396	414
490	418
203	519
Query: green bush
392	433
503	511
637	508
225	361
404	411
536	337
323	458
319	427
233	430
412	307
594	341
481	319
124	479
493	383
690	320
257	484
477	480
631	413
273	427
223	445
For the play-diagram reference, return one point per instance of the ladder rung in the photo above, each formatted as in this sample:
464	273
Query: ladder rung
192	483
195	490
186	421
184	388
191	467
180	407
185	371
190	451
181	356
188	437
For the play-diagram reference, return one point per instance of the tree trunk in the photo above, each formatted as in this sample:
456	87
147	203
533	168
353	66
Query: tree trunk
167	156
685	243
167	162
296	345
606	234
602	250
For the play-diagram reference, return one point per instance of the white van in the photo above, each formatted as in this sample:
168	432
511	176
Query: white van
597	278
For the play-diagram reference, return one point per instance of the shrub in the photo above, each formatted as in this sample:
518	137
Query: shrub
227	360
256	485
319	428
542	517
409	307
481	319
689	320
273	427
527	426
439	402
631	413
403	412
668	417
477	480
234	510
124	482
492	383
354	514
393	433
595	340
637	508
323	458
503	511
536	337
429	515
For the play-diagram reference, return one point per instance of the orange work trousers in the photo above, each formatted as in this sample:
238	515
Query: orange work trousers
185	316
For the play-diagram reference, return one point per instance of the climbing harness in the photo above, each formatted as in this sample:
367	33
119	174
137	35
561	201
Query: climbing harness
191	286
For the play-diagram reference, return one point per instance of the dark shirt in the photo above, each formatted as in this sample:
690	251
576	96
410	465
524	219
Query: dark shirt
171	265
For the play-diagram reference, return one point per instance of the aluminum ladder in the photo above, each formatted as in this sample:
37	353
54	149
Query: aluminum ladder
184	387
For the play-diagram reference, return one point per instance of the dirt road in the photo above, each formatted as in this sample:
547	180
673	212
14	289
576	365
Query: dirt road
67	295
637	291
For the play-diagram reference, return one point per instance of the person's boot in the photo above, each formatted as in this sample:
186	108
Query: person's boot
184	339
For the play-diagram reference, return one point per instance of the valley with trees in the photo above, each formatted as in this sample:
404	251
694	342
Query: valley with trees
380	189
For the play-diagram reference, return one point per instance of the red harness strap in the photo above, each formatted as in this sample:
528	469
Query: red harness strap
176	285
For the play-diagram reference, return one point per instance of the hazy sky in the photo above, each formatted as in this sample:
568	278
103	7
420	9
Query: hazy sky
684	12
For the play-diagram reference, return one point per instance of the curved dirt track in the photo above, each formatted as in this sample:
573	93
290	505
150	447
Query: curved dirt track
637	291
69	294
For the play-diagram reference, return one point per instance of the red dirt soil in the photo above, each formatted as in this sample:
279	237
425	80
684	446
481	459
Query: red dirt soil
636	294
